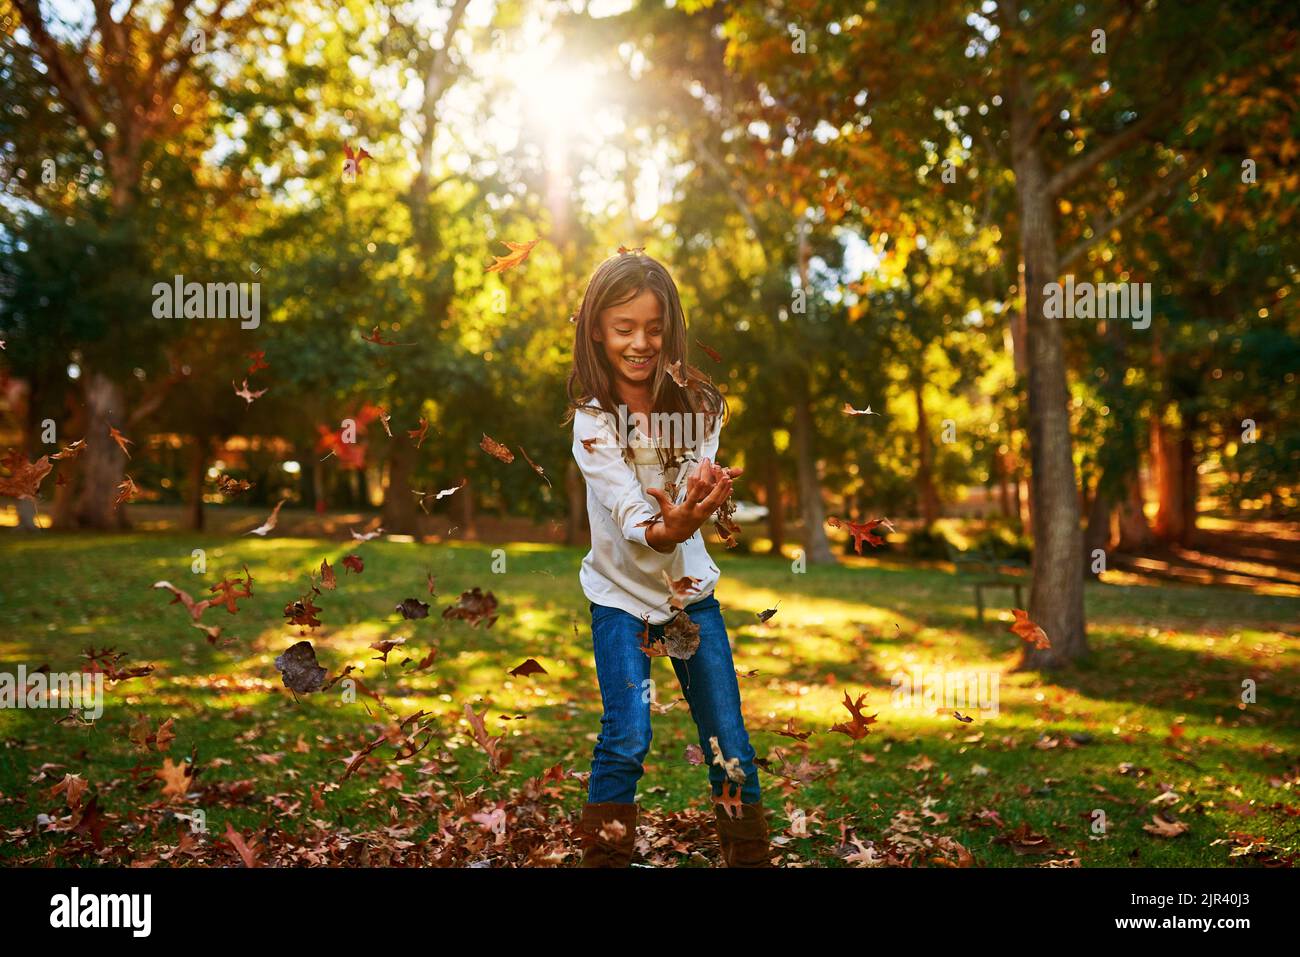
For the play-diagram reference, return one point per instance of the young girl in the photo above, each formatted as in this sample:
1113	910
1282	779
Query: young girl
645	434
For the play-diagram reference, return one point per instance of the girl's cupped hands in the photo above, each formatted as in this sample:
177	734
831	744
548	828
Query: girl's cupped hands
706	489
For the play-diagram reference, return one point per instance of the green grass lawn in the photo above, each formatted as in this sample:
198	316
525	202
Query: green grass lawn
1152	724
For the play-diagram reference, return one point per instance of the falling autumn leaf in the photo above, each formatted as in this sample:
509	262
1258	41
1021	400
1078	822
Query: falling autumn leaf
353	563
495	449
529	667
25	477
231	487
859	727
71	451
244	393
681	636
269	524
298	668
327	575
423	496
413	608
473	606
715	356
259	361
1028	631
352	161
536	468
862	531
849	410
302	613
127	490
680	589
518	253
766	616
121	440
377	338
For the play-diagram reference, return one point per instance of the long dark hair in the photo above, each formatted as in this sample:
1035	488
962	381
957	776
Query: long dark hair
618	279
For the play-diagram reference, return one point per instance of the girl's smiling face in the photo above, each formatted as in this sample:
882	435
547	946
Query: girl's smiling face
631	334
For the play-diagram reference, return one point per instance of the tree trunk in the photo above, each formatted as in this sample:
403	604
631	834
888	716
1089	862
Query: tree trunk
198	472
1167	462
318	494
102	463
1188	473
774	503
1098	534
468	523
925	457
400	511
1134	531
817	550
1056	595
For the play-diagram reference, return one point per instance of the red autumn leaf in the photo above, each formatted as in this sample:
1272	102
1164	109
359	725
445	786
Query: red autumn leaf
71	451
24	477
495	449
518	253
498	757
1028	631
473	606
231	486
680	589
195	608
352	161
354	563
418	433
232	589
859	726
379	340
712	354
121	440
536	468
863	530
789	732
259	361
247	855
127	490
303	613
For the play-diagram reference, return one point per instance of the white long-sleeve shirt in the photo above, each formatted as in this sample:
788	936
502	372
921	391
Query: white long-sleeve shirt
622	570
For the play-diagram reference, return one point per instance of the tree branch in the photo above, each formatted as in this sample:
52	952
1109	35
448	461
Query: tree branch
1075	170
73	85
1164	185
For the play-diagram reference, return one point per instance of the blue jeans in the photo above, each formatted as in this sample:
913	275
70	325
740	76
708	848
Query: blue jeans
708	681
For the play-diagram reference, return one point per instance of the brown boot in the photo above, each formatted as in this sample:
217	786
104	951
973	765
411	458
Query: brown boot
615	847
744	839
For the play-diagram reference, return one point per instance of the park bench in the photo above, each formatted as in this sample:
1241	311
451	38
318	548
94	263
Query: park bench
983	570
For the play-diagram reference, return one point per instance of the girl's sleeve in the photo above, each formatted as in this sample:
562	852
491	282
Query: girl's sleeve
609	475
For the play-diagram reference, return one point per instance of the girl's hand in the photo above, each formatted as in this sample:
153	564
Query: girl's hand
706	490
